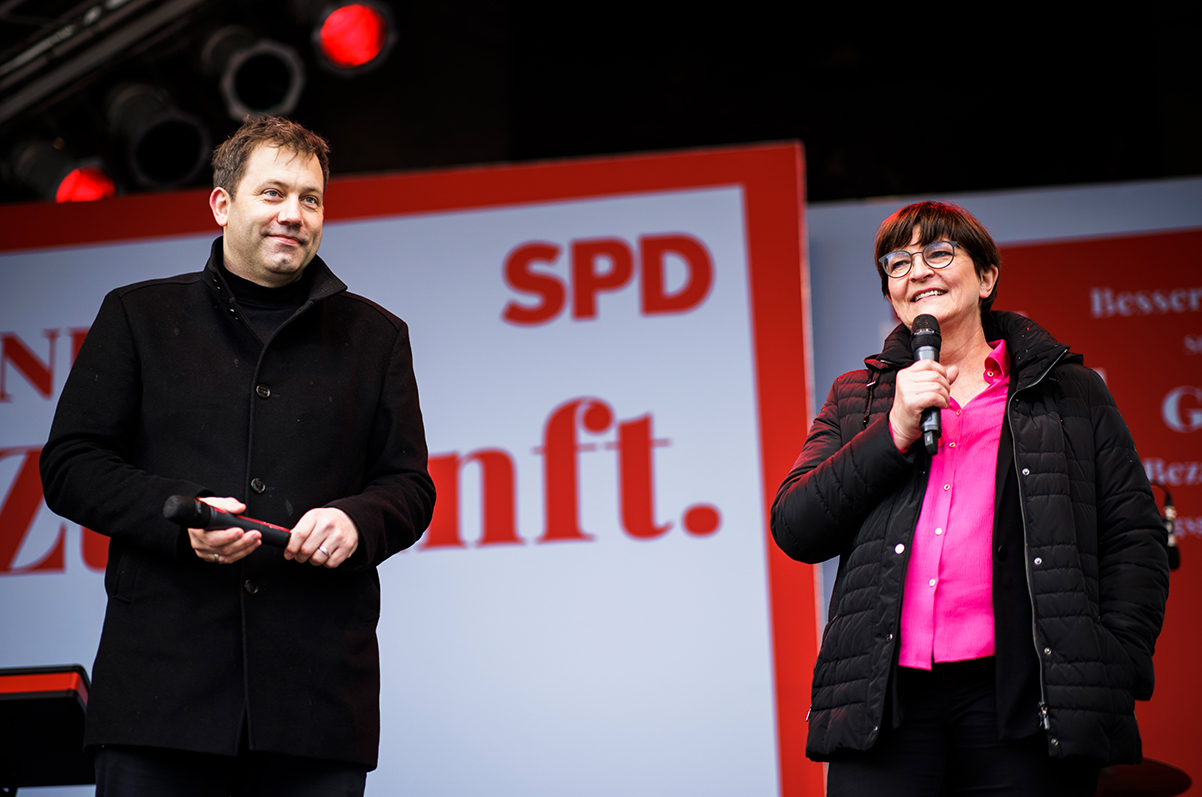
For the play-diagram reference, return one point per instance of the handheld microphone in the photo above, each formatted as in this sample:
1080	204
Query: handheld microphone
192	513
925	342
1169	516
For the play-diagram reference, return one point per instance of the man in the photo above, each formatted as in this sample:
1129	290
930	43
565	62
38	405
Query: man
262	386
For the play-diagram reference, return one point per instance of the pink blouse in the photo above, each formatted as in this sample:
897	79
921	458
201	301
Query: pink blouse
947	607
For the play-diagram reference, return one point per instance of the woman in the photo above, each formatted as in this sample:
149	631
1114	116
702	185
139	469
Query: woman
997	603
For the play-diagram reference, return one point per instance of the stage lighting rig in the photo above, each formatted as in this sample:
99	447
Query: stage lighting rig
256	76
52	174
351	37
68	48
164	146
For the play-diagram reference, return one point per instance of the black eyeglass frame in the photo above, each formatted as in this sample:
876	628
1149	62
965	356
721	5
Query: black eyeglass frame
883	259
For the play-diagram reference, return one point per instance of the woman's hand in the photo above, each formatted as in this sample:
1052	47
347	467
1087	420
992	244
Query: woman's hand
924	384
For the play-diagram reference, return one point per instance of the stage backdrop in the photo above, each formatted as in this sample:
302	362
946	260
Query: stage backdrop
612	363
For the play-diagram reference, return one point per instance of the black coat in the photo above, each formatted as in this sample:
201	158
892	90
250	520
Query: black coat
1088	536
173	393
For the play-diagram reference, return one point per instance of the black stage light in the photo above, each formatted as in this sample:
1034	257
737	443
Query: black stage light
52	174
164	145
256	76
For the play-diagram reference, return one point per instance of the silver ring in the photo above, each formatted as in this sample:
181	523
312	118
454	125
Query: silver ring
323	549
216	558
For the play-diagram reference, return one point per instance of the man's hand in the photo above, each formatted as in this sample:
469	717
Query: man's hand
325	537
924	384
224	546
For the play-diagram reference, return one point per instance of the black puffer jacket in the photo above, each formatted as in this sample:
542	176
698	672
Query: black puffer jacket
1096	567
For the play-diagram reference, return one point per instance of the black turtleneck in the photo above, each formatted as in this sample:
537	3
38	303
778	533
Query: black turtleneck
266	309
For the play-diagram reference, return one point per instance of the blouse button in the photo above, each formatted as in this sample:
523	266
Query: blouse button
931	583
938	531
947	487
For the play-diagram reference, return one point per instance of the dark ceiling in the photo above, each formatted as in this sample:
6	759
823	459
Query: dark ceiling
883	106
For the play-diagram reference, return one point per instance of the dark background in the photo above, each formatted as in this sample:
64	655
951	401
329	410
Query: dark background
980	99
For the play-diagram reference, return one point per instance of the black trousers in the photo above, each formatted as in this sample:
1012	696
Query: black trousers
947	744
155	772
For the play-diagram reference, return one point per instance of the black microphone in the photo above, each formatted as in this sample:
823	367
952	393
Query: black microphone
192	513
1169	516
925	342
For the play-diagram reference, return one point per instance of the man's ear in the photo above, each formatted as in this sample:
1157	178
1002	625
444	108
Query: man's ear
219	203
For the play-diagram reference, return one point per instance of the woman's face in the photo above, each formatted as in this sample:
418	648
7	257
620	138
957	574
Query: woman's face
951	294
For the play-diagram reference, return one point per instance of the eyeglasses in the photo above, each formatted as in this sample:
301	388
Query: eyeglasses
938	254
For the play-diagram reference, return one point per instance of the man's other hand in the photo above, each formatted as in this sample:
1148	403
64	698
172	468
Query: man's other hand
224	546
325	537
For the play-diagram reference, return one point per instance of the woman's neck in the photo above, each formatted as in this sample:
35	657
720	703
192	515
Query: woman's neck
966	348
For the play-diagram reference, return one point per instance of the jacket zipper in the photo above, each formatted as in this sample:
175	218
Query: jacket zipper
1044	720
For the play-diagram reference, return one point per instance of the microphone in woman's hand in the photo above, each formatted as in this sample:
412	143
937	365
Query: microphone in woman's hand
925	342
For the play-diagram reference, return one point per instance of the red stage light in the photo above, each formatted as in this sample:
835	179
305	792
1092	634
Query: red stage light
85	184
353	35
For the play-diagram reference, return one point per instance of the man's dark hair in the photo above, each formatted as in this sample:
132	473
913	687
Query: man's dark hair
939	221
229	159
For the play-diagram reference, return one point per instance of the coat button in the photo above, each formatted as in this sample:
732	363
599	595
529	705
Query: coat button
251	587
257	485
1001	552
1047	651
1026	471
263	391
1038	560
899	548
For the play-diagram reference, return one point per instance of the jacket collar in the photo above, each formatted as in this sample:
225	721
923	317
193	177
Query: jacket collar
1032	348
322	285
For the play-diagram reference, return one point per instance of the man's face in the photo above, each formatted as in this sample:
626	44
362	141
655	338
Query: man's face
273	222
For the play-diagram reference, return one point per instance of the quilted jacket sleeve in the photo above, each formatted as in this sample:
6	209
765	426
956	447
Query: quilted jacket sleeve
840	476
1133	571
